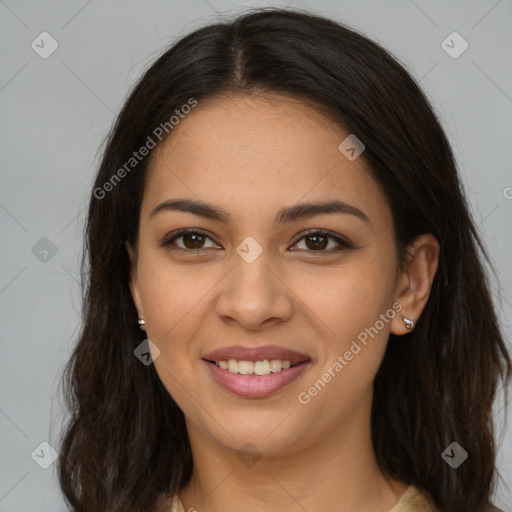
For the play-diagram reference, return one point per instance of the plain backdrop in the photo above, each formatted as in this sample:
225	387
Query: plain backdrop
56	111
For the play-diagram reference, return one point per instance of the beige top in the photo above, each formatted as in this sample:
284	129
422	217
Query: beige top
412	500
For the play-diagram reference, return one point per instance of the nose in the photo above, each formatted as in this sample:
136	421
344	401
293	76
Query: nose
254	295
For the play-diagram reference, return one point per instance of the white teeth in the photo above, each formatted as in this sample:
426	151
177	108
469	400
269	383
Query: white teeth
254	367
245	367
275	365
262	367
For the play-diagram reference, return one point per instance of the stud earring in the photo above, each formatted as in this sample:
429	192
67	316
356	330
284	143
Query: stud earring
142	323
408	323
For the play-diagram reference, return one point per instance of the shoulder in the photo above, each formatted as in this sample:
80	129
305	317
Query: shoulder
414	500
417	500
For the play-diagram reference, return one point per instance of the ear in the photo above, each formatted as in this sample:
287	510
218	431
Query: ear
415	281
134	287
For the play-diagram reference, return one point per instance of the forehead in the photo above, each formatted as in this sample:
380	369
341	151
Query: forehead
255	154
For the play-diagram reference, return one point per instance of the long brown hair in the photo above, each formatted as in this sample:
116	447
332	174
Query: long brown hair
126	442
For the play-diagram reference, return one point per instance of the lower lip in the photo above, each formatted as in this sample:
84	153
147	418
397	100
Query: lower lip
255	386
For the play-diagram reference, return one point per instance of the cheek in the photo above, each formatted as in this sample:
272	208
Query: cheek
351	298
169	293
354	307
171	297
352	351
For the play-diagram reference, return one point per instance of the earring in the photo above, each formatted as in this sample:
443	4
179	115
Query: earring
408	323
142	323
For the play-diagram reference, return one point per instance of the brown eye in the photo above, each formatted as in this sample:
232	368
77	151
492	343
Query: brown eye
189	240
318	241
193	241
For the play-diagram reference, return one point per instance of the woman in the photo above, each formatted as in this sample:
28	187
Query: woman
279	210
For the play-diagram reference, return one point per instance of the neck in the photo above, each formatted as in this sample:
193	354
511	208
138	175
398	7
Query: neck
337	471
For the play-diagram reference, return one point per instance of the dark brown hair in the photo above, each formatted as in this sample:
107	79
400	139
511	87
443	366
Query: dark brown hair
126	441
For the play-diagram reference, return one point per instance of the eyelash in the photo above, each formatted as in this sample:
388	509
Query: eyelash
343	243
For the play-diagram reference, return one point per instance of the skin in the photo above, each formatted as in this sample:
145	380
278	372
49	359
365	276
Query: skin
252	156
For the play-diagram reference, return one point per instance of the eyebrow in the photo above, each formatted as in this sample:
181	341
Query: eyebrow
285	215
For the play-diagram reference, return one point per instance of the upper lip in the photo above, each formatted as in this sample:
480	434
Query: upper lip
261	353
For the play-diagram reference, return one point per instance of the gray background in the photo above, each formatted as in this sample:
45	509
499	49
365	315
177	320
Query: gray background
56	112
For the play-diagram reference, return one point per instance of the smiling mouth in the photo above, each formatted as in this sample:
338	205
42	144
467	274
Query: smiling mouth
255	368
255	379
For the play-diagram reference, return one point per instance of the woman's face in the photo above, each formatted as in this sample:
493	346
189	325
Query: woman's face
253	277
